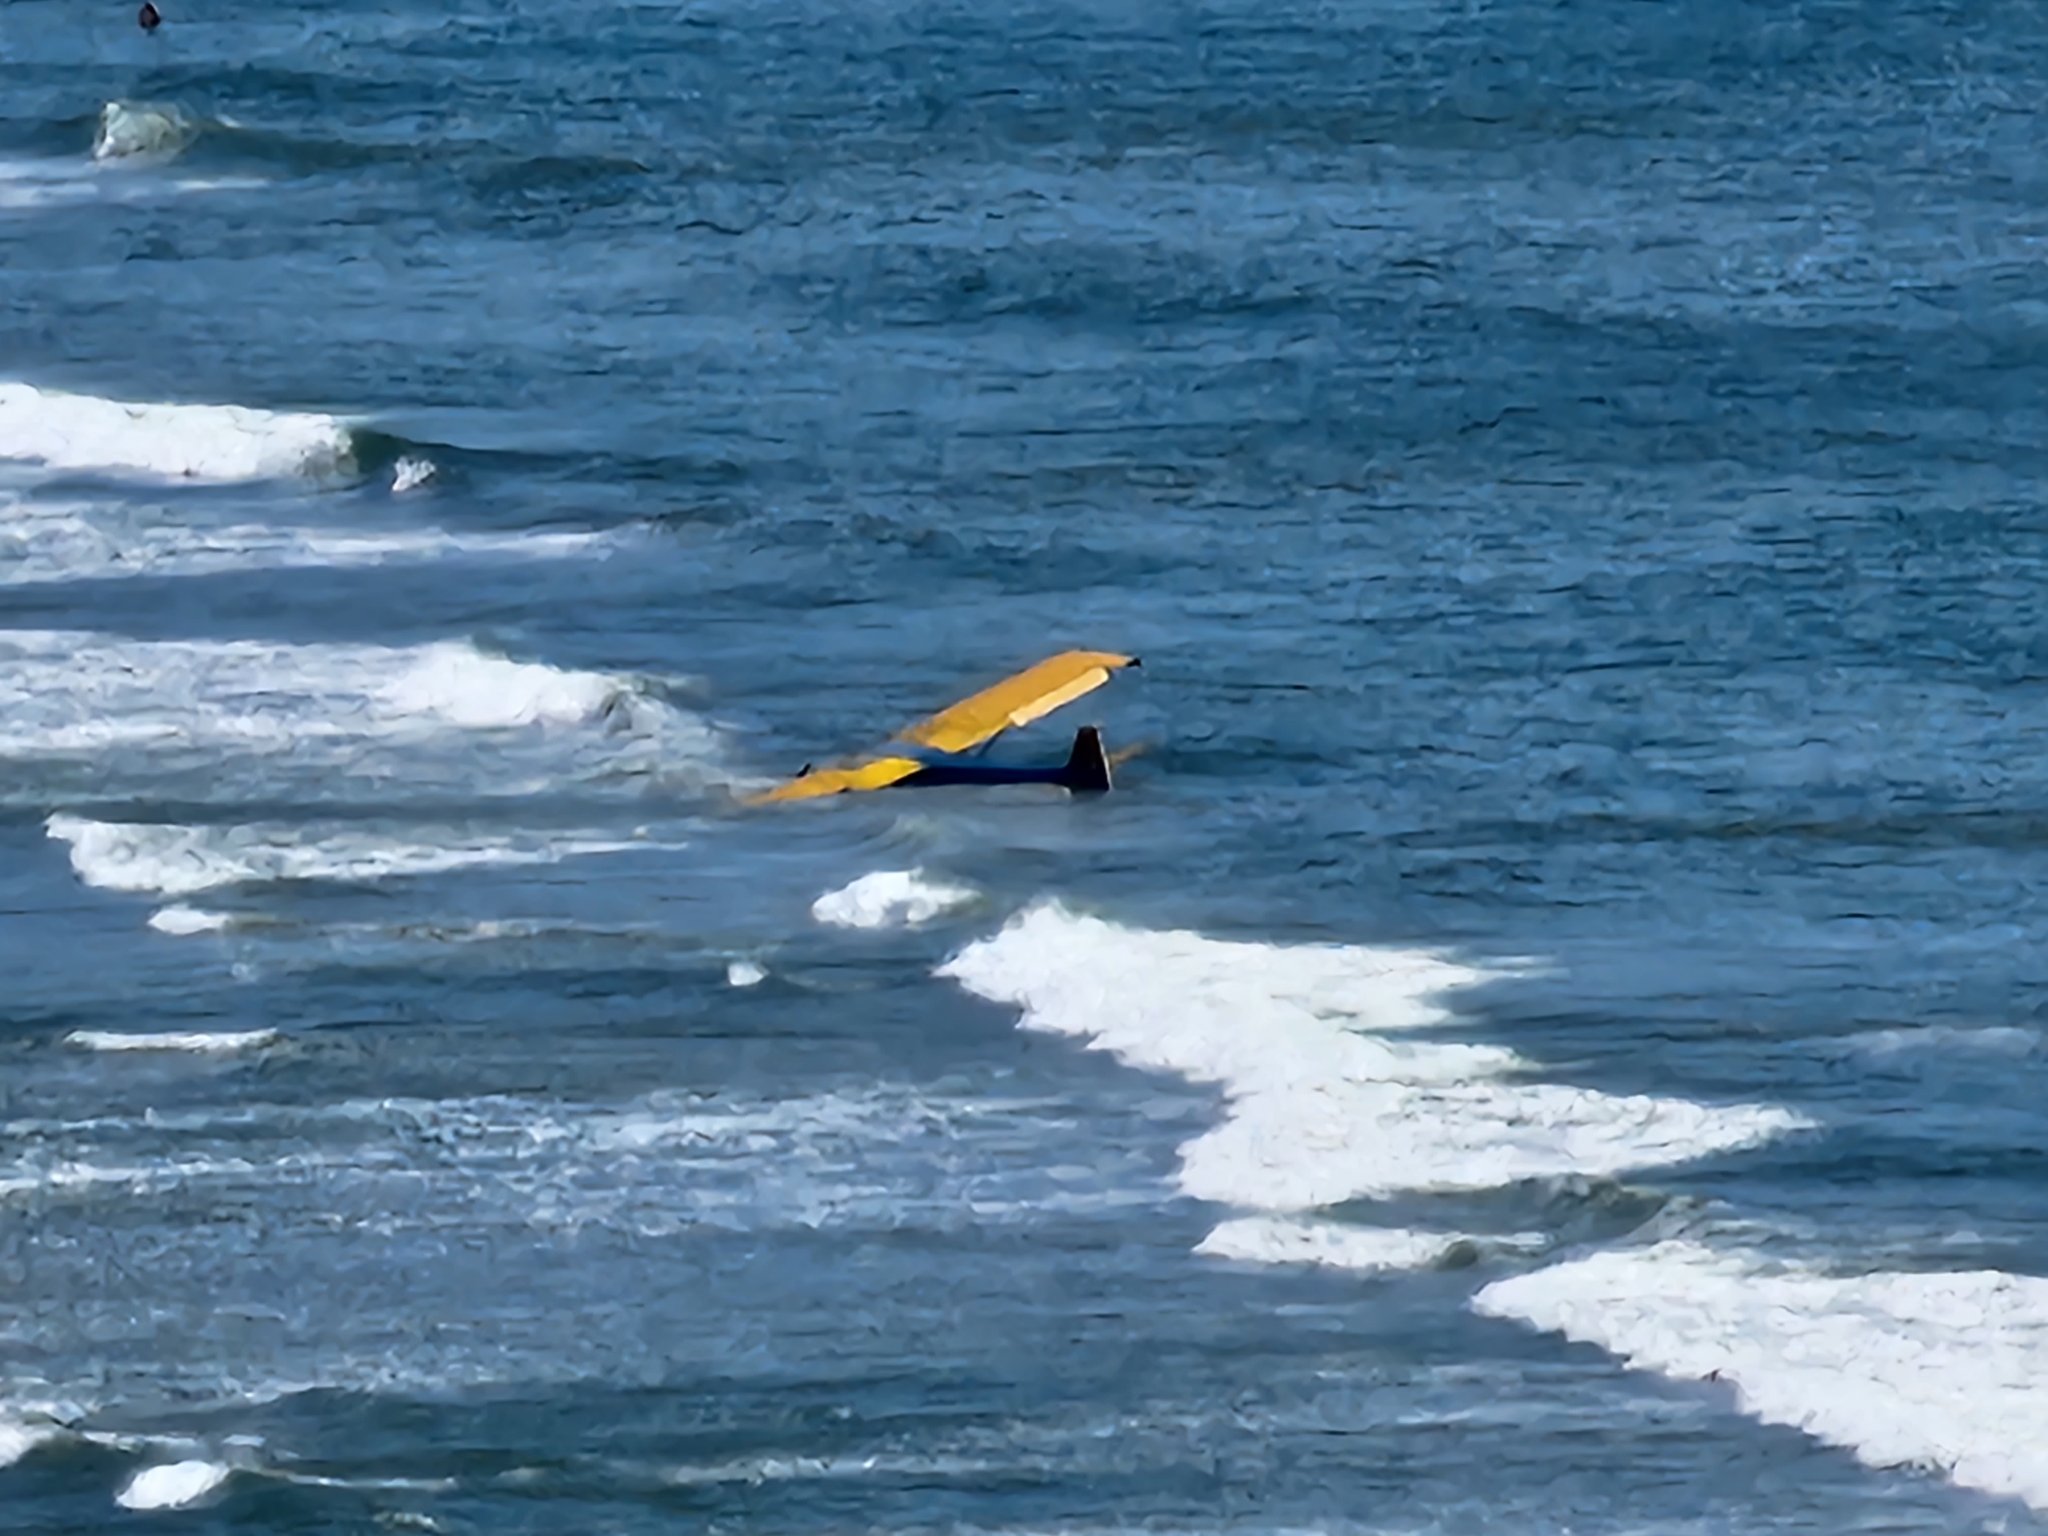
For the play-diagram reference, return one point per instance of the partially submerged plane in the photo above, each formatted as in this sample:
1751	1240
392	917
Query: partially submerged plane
946	748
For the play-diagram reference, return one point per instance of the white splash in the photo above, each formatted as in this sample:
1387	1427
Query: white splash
1327	1101
183	921
410	473
131	128
218	1042
744	973
1941	1370
457	683
173	1486
1292	1240
221	443
889	898
175	860
71	692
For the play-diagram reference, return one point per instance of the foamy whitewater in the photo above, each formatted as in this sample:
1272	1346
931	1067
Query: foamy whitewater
168	860
105	1040
175	1485
1291	1240
1330	1096
220	443
70	693
131	128
43	542
45	539
183	921
889	898
1327	1102
1945	1371
17	1440
1543	1034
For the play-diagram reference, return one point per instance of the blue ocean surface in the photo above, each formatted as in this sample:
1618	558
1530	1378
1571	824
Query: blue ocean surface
1547	1034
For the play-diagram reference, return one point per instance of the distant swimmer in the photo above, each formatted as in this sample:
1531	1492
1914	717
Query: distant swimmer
149	18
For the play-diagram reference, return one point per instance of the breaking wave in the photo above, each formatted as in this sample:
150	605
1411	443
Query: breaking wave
1328	1101
71	692
1340	1245
1944	1371
217	443
17	1440
225	1041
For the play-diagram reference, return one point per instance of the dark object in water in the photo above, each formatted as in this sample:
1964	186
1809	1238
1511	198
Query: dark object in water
149	18
945	749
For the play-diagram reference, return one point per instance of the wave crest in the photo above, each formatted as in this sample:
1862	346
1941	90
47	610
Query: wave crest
216	443
174	1485
1947	1370
1327	1103
190	1041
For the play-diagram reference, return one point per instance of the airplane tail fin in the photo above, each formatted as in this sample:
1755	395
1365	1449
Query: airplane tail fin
1087	770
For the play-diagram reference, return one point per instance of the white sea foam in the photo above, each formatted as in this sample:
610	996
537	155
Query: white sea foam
1941	1370
744	973
131	128
175	1485
751	1125
889	898
1326	1101
1336	1245
410	473
457	683
221	1041
46	541
17	1440
667	1162
175	860
204	442
67	692
183	921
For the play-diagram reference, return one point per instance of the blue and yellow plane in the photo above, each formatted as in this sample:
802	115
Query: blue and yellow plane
946	748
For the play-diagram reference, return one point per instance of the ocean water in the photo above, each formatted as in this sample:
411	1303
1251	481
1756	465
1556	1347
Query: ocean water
1548	1035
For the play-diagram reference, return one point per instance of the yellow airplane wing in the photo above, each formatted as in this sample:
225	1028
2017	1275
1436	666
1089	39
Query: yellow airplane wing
877	774
1033	693
1029	695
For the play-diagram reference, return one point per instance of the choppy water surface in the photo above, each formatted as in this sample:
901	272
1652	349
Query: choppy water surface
1548	1037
